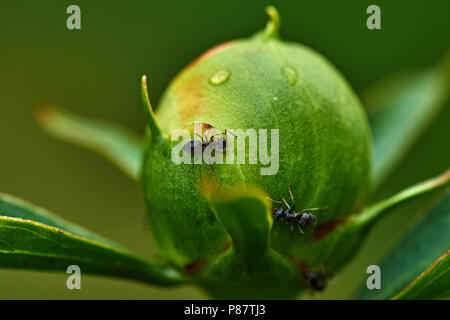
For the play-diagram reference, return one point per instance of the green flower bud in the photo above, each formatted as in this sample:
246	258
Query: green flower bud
324	154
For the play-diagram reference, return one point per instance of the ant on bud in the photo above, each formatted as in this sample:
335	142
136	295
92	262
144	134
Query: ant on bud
214	143
303	218
194	146
315	282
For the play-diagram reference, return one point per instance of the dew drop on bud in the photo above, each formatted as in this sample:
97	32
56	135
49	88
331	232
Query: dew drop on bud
290	75
219	77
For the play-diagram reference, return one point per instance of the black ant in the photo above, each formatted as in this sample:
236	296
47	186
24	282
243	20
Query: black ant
194	146
303	218
315	282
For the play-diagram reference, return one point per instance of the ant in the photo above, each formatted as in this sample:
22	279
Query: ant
303	218
194	146
315	282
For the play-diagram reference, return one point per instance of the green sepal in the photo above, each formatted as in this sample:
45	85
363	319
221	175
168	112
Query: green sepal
249	268
155	131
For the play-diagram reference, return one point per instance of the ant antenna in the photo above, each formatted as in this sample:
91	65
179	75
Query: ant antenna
222	133
199	136
274	200
230	132
313	209
292	198
217	134
285	202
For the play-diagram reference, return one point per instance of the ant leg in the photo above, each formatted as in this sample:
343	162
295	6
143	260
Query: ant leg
217	134
292	198
312	209
200	137
223	133
209	163
301	231
285	202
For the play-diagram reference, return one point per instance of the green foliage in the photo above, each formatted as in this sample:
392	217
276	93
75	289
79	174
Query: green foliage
400	108
27	243
17	208
115	143
426	243
432	283
214	224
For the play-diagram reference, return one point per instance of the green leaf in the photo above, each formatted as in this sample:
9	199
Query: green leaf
115	143
13	207
245	214
400	108
26	244
426	242
433	283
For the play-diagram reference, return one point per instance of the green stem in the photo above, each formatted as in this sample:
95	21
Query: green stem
374	212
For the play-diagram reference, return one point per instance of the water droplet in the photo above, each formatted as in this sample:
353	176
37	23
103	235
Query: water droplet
219	77
290	75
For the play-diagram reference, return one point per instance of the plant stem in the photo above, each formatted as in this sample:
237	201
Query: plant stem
374	212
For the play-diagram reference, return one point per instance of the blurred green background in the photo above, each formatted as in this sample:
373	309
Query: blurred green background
96	72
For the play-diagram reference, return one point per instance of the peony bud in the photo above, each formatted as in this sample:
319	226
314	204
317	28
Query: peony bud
324	153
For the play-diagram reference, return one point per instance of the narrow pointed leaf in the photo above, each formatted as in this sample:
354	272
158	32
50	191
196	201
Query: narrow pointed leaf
433	283
423	245
400	108
14	207
25	244
115	143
